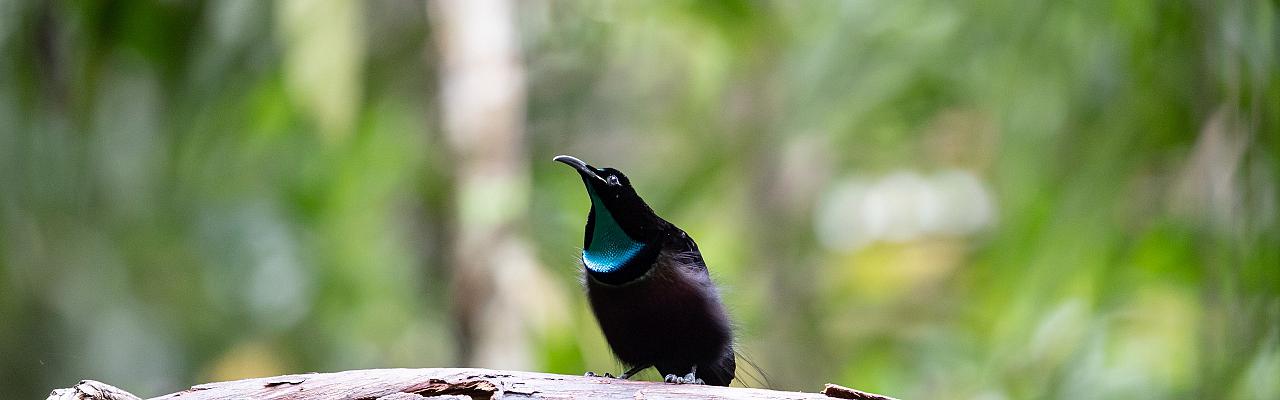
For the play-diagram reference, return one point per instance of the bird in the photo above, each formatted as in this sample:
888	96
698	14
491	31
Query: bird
649	288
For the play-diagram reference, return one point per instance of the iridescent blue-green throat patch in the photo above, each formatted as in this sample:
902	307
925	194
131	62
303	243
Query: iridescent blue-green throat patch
610	248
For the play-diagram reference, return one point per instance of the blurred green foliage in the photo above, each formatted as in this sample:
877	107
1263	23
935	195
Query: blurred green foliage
213	190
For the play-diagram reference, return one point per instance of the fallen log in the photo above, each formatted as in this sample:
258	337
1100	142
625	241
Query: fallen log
450	384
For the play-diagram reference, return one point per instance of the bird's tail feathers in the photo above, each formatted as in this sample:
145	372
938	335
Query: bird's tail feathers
749	373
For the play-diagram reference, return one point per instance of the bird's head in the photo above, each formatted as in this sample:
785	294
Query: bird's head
620	224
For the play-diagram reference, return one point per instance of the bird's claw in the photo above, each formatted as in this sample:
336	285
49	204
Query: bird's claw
593	374
690	378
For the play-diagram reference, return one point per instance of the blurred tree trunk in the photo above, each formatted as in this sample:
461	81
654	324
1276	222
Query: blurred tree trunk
778	201
778	222
496	280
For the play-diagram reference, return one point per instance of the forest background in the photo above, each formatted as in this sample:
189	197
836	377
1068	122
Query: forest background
995	199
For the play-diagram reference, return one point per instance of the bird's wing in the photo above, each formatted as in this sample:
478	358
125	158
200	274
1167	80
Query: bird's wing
686	252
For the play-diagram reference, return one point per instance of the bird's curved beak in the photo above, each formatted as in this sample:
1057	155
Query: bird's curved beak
587	171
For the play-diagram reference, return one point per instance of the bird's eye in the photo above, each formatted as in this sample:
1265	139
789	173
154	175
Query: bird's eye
612	180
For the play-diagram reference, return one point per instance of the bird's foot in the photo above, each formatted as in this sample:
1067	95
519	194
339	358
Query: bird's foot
690	378
687	379
625	375
593	374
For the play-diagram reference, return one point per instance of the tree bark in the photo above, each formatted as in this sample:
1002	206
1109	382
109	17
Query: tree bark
449	383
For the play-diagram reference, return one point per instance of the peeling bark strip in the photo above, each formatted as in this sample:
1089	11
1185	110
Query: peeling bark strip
91	390
841	392
450	384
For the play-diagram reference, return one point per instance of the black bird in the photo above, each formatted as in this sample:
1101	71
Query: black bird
649	287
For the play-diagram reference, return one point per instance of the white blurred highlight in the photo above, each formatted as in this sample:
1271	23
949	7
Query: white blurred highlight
902	206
